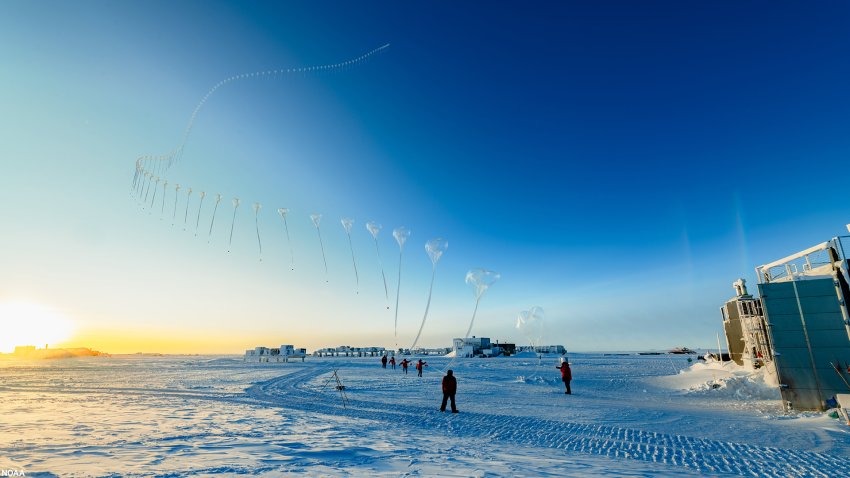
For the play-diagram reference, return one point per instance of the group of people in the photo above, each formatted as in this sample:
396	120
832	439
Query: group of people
450	382
404	364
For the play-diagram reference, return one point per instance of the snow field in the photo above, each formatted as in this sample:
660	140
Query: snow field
198	416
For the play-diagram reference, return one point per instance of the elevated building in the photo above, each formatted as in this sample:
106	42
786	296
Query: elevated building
484	347
284	353
471	346
504	348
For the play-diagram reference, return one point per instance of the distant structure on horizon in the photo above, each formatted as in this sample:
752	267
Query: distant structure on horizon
23	350
282	354
438	351
543	349
348	351
461	347
30	352
483	347
800	326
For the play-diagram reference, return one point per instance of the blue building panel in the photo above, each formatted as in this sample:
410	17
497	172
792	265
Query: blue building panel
806	323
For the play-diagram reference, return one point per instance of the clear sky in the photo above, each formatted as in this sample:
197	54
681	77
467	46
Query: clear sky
619	163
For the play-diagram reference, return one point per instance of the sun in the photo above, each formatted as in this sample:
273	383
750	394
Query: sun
25	323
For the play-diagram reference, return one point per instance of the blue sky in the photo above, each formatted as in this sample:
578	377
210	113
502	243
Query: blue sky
620	163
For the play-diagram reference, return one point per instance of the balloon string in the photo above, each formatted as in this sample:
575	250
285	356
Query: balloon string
153	198
198	220
383	276
356	275
259	243
174	213
186	214
177	152
322	246
477	301
158	166
147	190
427	307
212	221
397	293
475	311
291	252
137	179
232	223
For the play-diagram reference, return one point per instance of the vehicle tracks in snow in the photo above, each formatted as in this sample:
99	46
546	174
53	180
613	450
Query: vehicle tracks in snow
695	454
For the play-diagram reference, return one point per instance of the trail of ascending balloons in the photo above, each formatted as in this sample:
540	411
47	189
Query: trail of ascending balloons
150	172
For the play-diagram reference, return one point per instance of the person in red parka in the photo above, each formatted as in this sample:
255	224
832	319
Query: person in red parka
392	362
566	376
419	365
449	390
404	364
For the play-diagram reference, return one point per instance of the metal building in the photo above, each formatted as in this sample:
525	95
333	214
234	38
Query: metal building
747	338
804	299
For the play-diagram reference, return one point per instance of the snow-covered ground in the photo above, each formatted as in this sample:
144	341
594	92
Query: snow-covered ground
629	415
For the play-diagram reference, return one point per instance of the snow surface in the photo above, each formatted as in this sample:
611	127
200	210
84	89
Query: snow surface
629	415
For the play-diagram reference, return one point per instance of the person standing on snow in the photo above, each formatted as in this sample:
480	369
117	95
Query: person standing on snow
392	362
449	390
566	376
419	365
404	364
384	361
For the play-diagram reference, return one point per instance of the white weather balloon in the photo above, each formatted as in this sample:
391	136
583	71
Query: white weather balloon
435	249
530	324
480	280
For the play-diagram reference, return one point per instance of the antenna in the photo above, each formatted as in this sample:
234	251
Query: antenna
339	386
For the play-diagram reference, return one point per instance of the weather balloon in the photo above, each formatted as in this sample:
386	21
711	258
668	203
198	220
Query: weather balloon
435	249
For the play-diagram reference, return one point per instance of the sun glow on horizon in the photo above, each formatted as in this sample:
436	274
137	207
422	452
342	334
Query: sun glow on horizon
26	323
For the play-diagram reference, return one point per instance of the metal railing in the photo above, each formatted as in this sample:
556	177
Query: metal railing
817	260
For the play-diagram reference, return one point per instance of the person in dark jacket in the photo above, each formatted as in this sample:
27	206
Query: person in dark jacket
404	364
566	376
449	390
384	361
392	362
